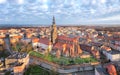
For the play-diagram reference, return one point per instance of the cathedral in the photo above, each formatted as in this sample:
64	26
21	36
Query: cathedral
63	45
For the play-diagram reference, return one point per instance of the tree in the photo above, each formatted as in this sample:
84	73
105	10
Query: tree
8	73
53	71
23	49
29	47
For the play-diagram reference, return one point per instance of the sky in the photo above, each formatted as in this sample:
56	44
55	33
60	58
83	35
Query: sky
65	11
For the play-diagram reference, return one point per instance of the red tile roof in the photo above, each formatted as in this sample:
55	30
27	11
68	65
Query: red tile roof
45	41
35	40
59	45
106	48
115	39
29	35
62	37
2	37
17	37
95	52
3	30
100	37
111	69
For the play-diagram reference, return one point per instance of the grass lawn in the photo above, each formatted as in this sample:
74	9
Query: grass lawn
34	53
85	60
63	60
37	70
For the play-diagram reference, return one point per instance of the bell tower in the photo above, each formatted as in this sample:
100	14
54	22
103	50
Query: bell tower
53	31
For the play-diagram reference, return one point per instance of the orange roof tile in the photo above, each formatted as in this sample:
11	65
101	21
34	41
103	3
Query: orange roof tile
2	37
106	48
29	35
45	41
35	40
111	69
62	37
3	30
18	37
58	45
95	52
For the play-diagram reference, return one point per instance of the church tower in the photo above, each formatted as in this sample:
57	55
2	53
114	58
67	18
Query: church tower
53	31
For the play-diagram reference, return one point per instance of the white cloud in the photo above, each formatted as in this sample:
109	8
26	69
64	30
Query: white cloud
116	17
83	9
85	2
4	19
94	1
20	1
105	19
2	1
44	7
44	1
58	11
103	1
34	7
21	9
92	11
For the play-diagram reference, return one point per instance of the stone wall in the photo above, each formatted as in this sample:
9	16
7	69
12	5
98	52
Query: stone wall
62	69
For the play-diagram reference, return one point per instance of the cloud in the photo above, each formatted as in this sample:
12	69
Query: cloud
93	2
103	1
115	17
44	7
20	1
63	9
4	19
2	1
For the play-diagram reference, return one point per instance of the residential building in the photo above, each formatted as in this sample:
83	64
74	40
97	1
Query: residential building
112	55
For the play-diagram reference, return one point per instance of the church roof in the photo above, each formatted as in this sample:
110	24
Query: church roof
62	37
44	41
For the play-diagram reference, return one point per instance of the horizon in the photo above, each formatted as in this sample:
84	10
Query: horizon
43	25
66	12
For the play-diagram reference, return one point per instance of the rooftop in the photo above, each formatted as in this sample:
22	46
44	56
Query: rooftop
15	64
59	45
102	71
62	37
17	55
114	52
45	41
34	40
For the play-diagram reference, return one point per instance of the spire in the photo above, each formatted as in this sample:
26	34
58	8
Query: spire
53	20
53	31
